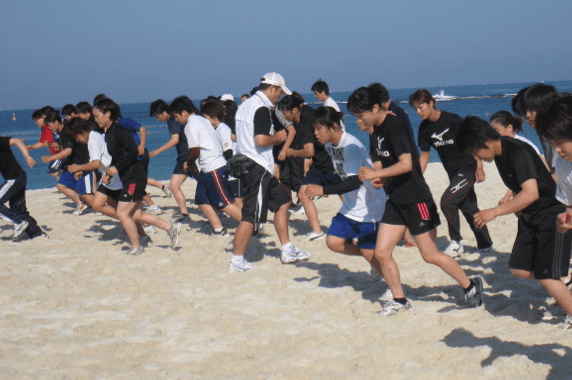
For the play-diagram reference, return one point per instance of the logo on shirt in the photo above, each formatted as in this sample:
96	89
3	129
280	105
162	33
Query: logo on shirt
380	152
439	138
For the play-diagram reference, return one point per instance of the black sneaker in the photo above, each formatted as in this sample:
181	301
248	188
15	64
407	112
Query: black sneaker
474	297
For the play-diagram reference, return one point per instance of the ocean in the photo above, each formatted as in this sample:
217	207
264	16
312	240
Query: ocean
478	100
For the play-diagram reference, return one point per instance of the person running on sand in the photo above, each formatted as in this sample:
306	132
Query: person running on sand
409	204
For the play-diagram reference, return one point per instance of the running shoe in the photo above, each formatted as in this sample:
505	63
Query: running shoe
167	191
19	228
80	209
222	232
393	307
387	294
241	266
567	324
154	208
485	250
374	275
474	297
293	255
135	251
314	236
174	234
299	210
454	249
150	229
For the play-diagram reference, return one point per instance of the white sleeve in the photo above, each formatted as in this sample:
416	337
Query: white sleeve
564	182
95	145
191	138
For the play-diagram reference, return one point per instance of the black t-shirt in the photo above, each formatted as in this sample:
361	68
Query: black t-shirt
9	166
441	135
519	163
80	152
305	134
400	113
387	143
124	151
183	146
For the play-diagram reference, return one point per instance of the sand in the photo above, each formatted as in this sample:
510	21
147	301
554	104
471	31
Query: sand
76	307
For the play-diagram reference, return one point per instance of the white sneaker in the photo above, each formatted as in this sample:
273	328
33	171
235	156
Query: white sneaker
167	191
393	307
174	234
480	251
293	255
387	294
567	324
241	266
314	236
153	208
135	251
80	209
150	229
19	228
454	249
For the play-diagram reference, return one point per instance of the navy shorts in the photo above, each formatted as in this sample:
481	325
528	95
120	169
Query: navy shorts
418	217
83	185
317	177
212	189
345	228
192	172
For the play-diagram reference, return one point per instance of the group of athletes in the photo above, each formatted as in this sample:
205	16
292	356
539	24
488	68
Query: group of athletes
252	158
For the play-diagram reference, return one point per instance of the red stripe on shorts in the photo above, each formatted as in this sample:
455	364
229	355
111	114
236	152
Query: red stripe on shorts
423	211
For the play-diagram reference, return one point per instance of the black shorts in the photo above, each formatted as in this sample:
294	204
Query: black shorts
192	172
317	177
144	160
235	185
133	189
261	192
110	193
542	249
292	172
418	217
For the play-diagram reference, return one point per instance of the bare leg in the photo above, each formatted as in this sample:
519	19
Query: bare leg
233	211
70	193
211	215
125	212
154	182
427	244
387	238
175	187
242	237
281	223
310	209
556	288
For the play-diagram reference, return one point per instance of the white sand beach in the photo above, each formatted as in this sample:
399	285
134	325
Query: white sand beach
74	306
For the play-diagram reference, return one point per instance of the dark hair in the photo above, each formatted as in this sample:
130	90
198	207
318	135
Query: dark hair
320	86
214	108
473	134
98	97
381	89
52	117
83	107
421	96
68	109
554	122
253	91
289	102
243	95
158	107
37	115
505	119
516	102
538	96
107	105
364	98
182	103
77	126
47	109
210	97
329	117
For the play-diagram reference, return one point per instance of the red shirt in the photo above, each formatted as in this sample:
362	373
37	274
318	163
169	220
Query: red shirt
47	135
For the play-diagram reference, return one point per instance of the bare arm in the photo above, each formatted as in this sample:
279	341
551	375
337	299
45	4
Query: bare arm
22	147
267	140
93	165
404	165
424	160
58	156
306	152
479	171
173	141
143	140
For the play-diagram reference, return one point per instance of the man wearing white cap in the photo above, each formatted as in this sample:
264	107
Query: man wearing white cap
262	192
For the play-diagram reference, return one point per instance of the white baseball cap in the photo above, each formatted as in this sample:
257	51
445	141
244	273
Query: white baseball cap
276	79
227	97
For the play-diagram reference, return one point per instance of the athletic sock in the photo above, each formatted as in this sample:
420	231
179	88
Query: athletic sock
286	246
237	259
402	301
219	229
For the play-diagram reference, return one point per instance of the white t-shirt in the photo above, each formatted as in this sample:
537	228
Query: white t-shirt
225	137
365	204
524	139
201	134
563	170
245	143
98	151
332	103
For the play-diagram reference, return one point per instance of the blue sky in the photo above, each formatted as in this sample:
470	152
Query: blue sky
57	52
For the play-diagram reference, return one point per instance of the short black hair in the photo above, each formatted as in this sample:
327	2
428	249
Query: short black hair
52	116
473	134
364	98
505	119
214	108
182	103
289	102
321	86
37	115
83	107
329	117
158	107
68	109
554	122
107	105
47	109
98	97
538	96
516	102
77	126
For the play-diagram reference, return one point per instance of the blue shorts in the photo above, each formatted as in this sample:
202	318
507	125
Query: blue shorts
84	185
192	172
212	189
348	229
317	177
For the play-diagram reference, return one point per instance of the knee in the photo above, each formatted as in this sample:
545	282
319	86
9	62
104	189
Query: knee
334	244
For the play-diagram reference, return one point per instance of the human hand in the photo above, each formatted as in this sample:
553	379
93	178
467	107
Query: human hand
314	191
366	173
483	217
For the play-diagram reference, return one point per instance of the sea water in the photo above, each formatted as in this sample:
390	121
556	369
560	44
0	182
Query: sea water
478	100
